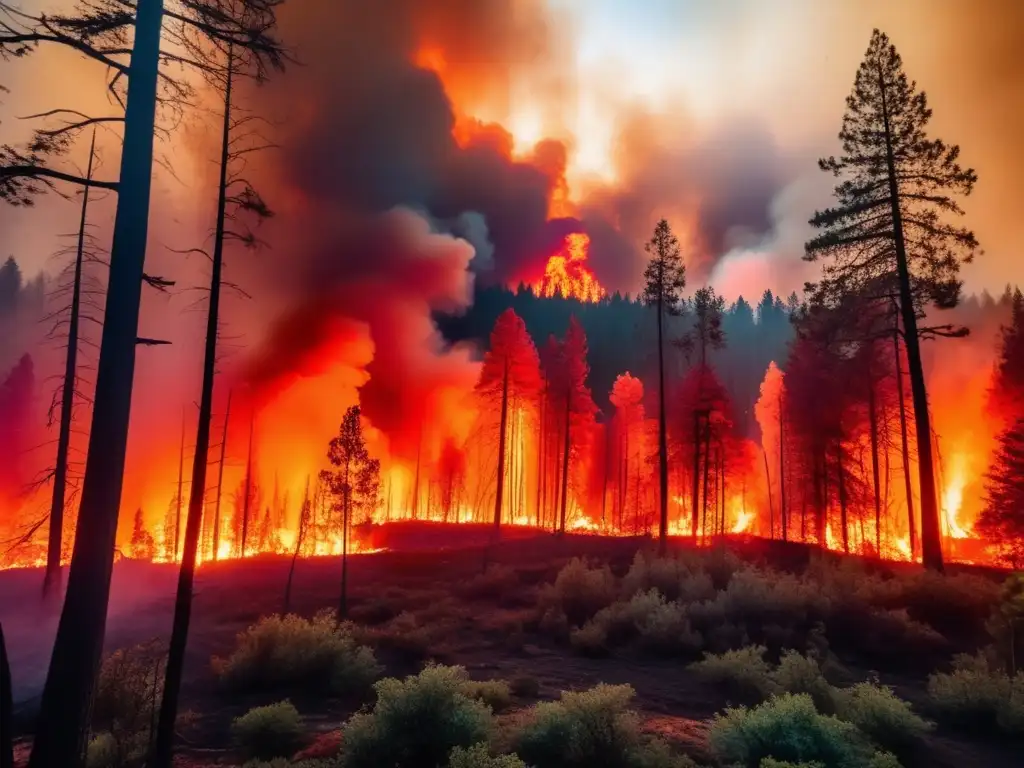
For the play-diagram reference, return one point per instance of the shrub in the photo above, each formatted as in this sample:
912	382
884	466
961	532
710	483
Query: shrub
744	673
406	635
271	731
478	757
976	697
786	728
494	582
128	693
673	577
589	640
885	718
525	686
667	630
416	722
494	693
797	673
594	727
579	591
102	752
292	652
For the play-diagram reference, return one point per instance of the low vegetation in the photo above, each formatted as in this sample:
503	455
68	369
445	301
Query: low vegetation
266	732
978	696
297	654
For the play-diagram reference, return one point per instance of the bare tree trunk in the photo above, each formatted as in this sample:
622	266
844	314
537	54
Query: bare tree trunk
6	708
416	479
873	425
62	726
695	490
540	458
247	501
565	461
841	478
220	481
931	538
163	752
662	436
607	472
502	434
51	580
783	509
303	513
181	482
707	459
908	484
346	501
771	508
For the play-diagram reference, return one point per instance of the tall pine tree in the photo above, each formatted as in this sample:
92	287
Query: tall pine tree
1002	519
887	232
665	277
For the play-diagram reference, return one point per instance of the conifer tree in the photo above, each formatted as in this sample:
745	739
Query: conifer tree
665	278
510	376
1002	519
888	232
1007	394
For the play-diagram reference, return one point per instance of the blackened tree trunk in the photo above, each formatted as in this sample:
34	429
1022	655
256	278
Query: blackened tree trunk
662	437
695	490
51	580
908	484
540	458
499	497
345	503
186	574
565	460
771	507
931	538
62	726
247	501
303	522
220	481
707	459
876	477
783	509
841	482
6	708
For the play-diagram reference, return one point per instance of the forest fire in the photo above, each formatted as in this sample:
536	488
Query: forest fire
567	273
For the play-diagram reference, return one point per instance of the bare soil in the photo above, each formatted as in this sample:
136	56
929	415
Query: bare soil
425	572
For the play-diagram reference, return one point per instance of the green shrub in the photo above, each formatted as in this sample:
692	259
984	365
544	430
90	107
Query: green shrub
884	717
293	652
797	673
594	727
787	727
975	697
579	591
271	731
525	686
675	578
589	640
743	673
103	752
479	757
666	630
416	722
128	694
408	636
494	693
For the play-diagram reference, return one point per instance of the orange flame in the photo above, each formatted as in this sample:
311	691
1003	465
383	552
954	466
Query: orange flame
567	273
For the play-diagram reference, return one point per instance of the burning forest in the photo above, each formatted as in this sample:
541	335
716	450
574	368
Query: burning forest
439	272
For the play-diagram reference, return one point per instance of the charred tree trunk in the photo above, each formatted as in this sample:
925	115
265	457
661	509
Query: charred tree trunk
771	508
186	574
662	438
62	726
607	472
345	509
303	513
502	435
873	425
841	481
931	539
540	459
416	479
6	708
820	497
624	474
565	462
695	490
220	481
51	580
247	501
783	509
908	484
707	459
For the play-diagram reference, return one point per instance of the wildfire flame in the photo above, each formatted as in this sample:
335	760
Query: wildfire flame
953	499
567	273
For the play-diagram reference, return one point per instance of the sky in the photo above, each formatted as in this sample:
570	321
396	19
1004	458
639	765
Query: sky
673	76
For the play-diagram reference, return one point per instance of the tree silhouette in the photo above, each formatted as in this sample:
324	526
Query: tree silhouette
354	483
665	278
1002	519
142	545
510	374
1006	396
887	237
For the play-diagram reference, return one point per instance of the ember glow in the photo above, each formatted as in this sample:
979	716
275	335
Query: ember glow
567	273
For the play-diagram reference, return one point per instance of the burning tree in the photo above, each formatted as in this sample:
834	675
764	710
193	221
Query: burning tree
354	483
509	378
895	185
142	545
1002	519
627	396
665	277
768	411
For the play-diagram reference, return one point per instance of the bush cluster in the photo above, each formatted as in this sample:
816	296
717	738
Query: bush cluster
267	732
977	696
293	653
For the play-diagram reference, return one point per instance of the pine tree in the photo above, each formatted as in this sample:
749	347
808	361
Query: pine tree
142	546
627	396
665	278
887	233
510	376
1002	519
354	483
1006	397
